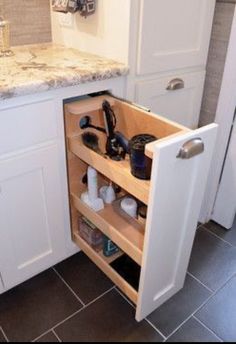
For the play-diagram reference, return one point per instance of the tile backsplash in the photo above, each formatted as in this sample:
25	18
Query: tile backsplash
30	20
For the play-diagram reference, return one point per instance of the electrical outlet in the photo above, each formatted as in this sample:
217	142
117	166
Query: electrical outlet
66	20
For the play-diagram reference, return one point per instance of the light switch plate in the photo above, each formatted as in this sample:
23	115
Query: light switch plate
66	20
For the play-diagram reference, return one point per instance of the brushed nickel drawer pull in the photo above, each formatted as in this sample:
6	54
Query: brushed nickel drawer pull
191	149
175	84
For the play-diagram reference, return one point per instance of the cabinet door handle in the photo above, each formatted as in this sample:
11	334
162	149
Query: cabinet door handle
175	84
191	149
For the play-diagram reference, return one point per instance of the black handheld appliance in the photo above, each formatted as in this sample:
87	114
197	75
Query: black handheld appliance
117	145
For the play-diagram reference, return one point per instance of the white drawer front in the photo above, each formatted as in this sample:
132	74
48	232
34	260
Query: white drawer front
27	125
181	105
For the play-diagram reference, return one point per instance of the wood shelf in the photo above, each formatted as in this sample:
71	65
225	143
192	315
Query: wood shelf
110	260
103	263
118	172
125	232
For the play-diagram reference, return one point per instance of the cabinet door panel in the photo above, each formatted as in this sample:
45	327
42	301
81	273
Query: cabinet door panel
181	105
31	222
176	195
28	124
174	34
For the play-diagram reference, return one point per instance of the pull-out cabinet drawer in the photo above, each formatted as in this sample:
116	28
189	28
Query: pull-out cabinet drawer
160	250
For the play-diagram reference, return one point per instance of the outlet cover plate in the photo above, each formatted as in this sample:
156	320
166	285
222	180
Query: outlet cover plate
66	20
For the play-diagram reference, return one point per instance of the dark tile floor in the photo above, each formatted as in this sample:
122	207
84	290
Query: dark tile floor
75	302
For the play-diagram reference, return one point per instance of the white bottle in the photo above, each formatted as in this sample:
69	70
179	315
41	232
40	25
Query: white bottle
107	193
110	195
92	184
91	196
130	206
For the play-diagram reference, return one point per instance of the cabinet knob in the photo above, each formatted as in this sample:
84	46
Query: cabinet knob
175	84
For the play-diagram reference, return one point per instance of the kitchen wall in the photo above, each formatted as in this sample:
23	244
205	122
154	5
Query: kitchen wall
100	33
30	20
216	61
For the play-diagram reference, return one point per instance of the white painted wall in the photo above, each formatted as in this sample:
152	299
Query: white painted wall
102	33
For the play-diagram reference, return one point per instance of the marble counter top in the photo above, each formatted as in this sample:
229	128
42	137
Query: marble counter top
38	68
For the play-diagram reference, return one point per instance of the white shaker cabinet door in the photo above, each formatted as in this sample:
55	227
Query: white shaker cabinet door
31	215
174	34
177	188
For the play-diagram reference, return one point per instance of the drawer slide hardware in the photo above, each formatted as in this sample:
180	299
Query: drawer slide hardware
139	107
175	84
191	149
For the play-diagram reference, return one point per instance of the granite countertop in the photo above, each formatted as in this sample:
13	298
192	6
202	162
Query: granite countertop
38	68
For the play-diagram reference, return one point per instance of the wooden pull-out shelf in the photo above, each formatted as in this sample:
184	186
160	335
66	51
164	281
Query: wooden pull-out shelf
162	247
118	172
127	233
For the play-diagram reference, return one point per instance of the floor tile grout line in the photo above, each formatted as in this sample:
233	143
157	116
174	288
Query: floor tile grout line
148	321
39	337
56	335
124	297
214	293
200	282
82	309
4	335
99	297
200	307
179	327
184	322
156	329
207	328
60	323
217	236
74	314
69	287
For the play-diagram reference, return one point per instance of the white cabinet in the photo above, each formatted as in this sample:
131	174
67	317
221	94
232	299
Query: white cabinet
181	104
35	231
173	34
162	246
31	214
169	39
